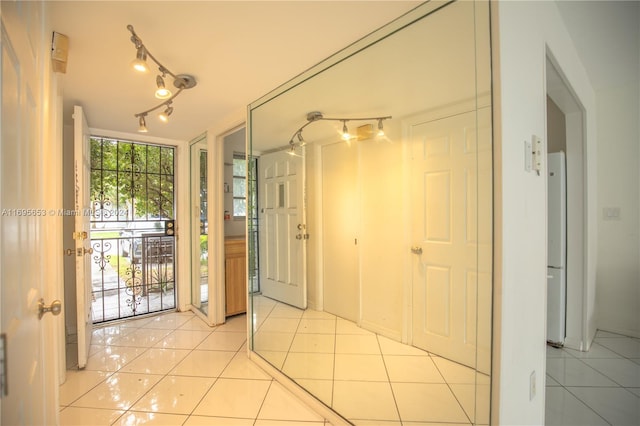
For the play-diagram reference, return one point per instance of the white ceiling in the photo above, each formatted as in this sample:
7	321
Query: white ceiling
237	51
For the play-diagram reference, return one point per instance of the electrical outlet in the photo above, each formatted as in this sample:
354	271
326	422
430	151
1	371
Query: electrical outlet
532	385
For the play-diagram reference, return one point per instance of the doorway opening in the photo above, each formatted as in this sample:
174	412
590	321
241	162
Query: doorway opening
132	218
565	123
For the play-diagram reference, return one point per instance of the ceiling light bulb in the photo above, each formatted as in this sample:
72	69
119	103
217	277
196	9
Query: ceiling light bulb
164	116
345	131
162	92
140	62
380	128
143	125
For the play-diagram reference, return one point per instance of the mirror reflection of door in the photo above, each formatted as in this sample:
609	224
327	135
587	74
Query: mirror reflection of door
199	226
283	228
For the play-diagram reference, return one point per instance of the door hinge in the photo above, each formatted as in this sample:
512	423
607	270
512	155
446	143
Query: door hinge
80	235
3	365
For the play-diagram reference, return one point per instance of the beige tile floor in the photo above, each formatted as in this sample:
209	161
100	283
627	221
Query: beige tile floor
171	369
598	387
365	377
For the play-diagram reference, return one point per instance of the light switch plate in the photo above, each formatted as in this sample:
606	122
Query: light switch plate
537	154
528	156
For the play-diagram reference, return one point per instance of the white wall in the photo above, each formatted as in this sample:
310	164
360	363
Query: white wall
606	35
618	278
607	38
522	33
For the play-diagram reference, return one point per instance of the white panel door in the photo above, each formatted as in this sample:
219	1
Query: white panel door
83	251
282	228
340	219
444	223
28	398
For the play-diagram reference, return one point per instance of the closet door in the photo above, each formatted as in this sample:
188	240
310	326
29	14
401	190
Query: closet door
445	236
340	219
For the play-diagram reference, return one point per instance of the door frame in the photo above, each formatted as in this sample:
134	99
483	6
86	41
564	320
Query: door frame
215	159
579	333
194	243
181	175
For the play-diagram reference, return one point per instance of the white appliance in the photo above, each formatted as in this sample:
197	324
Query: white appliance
557	251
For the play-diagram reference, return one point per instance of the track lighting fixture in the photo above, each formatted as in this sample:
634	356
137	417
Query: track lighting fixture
318	116
180	81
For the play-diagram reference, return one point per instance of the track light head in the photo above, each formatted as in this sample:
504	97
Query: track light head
164	116
380	128
162	92
140	62
142	125
345	131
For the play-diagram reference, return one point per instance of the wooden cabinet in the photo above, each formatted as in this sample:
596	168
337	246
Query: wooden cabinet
235	274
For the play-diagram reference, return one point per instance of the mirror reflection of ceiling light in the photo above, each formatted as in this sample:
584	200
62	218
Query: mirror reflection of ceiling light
314	116
380	128
180	81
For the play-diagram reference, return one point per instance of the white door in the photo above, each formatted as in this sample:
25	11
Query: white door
340	222
282	228
28	397
83	251
444	222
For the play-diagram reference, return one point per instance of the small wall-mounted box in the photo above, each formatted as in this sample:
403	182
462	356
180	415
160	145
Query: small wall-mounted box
59	52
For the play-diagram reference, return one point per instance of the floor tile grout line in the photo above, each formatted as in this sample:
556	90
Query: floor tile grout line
295	333
597	371
386	371
585	404
128	410
262	403
475	384
146	349
173	368
333	370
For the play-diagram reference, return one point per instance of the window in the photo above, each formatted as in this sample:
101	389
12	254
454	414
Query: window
239	186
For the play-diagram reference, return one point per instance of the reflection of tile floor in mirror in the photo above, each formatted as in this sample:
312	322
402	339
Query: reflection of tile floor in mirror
172	369
599	387
365	377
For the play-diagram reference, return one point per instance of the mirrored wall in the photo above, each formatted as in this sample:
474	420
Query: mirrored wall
374	244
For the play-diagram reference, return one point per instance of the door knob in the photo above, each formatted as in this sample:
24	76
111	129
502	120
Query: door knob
88	250
299	237
55	308
416	250
68	252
